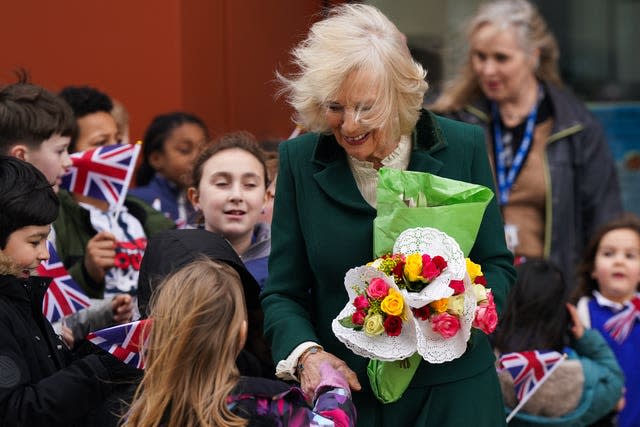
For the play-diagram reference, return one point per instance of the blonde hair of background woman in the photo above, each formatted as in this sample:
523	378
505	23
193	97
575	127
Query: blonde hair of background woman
356	37
532	32
197	313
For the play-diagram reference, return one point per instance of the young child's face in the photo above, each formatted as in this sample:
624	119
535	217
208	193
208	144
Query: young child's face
231	193
51	158
180	150
617	264
27	248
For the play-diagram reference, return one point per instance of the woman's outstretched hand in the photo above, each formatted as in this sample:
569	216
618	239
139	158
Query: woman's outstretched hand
311	375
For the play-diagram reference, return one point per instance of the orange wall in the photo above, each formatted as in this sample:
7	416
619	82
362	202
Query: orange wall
215	58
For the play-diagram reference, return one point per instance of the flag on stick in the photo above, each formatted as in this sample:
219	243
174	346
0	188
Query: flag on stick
126	342
529	369
63	296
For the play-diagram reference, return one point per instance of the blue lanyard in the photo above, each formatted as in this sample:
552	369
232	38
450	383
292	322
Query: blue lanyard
506	179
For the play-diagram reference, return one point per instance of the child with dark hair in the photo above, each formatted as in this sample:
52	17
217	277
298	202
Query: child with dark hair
584	387
171	144
229	188
39	384
88	234
95	124
36	126
609	302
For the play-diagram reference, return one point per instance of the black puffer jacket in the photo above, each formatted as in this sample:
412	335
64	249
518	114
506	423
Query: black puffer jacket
40	385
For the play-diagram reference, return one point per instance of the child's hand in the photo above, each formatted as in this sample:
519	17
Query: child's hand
577	329
67	336
100	255
122	308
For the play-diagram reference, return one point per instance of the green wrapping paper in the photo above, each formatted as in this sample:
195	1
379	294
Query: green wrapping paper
453	207
407	199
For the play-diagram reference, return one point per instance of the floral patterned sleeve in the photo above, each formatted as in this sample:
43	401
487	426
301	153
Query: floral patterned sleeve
333	407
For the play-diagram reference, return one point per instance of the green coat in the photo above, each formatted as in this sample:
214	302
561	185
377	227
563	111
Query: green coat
322	227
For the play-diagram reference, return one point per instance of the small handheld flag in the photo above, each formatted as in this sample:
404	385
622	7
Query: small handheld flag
63	296
529	369
103	173
620	325
126	342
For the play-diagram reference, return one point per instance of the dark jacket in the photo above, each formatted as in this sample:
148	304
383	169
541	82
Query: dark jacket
74	230
39	384
322	227
584	191
164	195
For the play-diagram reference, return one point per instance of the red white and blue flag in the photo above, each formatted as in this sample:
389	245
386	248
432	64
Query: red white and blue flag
126	342
63	296
103	173
529	369
619	326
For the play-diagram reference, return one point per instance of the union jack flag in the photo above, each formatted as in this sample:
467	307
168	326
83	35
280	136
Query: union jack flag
103	173
529	369
63	296
620	325
126	342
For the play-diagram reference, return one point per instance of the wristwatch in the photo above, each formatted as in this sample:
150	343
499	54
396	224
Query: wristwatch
311	350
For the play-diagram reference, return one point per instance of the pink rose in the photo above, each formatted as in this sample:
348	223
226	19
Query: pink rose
378	288
445	324
440	262
426	259
486	318
430	271
358	317
457	286
361	302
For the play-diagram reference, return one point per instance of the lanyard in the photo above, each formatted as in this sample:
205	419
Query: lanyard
506	179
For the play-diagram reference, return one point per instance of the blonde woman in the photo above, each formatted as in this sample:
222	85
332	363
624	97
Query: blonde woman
359	93
556	178
191	379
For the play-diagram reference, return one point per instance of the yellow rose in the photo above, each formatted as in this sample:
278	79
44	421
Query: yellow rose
455	305
480	291
373	325
393	303
440	306
473	269
413	267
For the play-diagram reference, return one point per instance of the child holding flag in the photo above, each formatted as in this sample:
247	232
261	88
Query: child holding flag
39	384
539	386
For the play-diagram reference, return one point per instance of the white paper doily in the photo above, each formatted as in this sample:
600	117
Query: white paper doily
426	240
381	347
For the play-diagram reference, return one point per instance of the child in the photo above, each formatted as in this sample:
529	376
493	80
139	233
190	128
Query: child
171	144
101	251
36	126
584	387
230	189
608	280
39	386
199	327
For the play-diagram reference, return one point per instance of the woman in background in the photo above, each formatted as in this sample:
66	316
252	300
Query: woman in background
555	176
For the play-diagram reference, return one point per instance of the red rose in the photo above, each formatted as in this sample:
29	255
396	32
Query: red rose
398	270
426	259
439	262
393	326
480	280
430	271
358	317
361	302
422	313
457	286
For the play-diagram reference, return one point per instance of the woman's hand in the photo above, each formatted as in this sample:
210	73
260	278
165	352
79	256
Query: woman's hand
577	329
311	375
